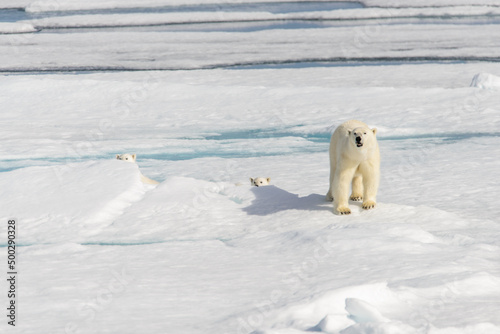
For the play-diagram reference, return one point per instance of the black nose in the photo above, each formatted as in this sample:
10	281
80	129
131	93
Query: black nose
358	139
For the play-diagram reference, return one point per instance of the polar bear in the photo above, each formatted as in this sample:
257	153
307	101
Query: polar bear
131	158
354	158
260	181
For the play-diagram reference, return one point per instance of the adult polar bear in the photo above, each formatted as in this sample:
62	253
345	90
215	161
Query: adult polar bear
354	158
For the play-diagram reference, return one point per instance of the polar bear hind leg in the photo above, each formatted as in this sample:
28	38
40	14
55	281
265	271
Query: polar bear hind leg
329	194
333	165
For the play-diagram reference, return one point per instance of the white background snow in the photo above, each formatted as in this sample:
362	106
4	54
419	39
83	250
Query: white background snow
210	93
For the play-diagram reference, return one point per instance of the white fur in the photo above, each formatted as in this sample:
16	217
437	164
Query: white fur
260	181
353	163
131	158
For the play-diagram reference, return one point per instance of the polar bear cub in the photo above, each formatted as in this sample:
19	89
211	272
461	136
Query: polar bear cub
354	159
131	158
260	181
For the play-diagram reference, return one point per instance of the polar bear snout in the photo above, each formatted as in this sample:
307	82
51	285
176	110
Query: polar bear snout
359	136
359	141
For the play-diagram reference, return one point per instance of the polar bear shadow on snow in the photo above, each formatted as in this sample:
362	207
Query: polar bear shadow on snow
271	199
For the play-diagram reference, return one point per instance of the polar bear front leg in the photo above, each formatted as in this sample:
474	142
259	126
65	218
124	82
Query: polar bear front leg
357	188
371	177
341	183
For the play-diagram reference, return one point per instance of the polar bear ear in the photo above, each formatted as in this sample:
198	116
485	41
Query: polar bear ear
251	181
374	131
118	156
133	156
268	179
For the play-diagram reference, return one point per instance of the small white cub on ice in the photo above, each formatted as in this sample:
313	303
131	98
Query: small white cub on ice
126	157
131	158
354	159
260	181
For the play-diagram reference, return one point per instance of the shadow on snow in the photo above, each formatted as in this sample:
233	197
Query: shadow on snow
271	199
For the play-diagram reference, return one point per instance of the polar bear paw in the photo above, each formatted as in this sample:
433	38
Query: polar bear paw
343	210
369	204
356	198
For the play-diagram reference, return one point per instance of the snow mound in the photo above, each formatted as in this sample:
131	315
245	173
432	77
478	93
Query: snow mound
369	320
342	308
331	323
485	81
361	311
383	308
16	28
68	202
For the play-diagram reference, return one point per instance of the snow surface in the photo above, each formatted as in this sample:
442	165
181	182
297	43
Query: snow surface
144	19
203	251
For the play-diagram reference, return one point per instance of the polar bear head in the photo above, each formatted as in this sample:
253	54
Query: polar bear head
260	181
360	136
126	157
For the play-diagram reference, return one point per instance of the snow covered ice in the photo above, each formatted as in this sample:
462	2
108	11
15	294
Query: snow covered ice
208	94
